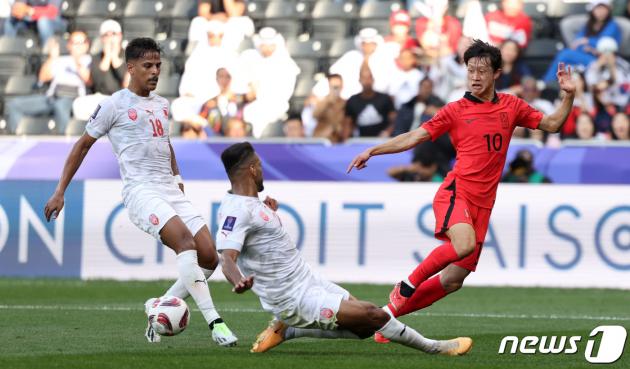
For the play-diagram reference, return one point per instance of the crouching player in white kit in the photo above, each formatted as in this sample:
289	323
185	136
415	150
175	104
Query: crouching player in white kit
303	303
136	121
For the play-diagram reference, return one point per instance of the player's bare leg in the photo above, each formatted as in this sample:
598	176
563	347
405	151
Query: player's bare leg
176	235
359	320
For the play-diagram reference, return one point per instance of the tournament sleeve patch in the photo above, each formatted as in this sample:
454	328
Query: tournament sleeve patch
95	112
228	225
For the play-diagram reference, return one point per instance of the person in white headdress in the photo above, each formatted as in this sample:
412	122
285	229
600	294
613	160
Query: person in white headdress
271	74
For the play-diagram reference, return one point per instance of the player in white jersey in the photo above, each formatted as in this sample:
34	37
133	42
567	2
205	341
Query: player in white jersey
303	303
136	122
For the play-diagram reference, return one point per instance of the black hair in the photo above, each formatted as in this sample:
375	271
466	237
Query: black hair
590	24
334	75
294	116
235	155
139	47
480	49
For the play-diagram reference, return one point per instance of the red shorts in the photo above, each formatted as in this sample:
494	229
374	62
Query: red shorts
450	209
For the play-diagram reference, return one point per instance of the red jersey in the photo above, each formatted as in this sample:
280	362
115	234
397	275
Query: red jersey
501	27
481	132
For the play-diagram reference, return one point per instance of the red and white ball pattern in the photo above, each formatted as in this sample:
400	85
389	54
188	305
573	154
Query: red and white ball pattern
169	315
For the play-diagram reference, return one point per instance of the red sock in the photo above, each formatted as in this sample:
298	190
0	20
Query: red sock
437	260
429	292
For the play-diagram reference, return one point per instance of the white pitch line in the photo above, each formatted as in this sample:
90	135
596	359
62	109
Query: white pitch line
246	310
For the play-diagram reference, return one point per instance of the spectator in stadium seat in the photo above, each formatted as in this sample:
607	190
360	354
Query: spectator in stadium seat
531	94
217	111
293	127
69	76
199	81
417	110
44	14
369	113
232	13
236	128
513	69
583	50
369	49
620	127
522	170
108	71
330	112
583	103
609	75
449	75
584	127
405	79
423	168
438	33
509	22
271	74
400	37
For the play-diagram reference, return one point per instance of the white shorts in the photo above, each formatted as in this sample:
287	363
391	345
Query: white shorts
318	307
151	206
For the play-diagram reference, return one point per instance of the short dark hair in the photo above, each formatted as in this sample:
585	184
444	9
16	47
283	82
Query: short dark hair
334	75
480	49
235	155
139	47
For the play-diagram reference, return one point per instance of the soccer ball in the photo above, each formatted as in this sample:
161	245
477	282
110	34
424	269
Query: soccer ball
169	315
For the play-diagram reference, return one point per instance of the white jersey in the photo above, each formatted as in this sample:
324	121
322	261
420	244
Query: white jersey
138	129
281	276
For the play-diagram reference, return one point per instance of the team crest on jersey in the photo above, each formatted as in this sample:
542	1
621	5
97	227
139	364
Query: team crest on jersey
154	219
228	225
505	122
264	216
326	313
133	114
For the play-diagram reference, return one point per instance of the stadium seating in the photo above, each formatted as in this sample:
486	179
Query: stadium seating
20	85
539	52
285	17
332	20
168	86
140	18
375	14
34	126
75	127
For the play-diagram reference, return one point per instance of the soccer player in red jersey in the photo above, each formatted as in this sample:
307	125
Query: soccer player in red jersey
480	126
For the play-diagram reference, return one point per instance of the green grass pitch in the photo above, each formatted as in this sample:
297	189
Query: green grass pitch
100	324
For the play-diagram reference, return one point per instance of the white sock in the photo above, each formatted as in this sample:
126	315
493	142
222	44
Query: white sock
397	332
179	290
292	333
195	282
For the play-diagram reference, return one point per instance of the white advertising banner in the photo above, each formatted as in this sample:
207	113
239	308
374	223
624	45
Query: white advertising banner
551	235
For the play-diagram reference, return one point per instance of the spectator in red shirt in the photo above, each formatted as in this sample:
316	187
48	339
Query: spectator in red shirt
43	13
438	33
509	22
400	37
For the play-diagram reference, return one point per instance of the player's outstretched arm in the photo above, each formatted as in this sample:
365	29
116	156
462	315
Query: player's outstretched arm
73	162
553	123
233	274
399	143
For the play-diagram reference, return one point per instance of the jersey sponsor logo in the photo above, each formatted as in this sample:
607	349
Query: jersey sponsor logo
468	121
133	114
505	123
326	313
264	216
154	219
228	225
93	116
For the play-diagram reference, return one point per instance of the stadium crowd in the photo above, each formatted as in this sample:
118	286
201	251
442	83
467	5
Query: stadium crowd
325	69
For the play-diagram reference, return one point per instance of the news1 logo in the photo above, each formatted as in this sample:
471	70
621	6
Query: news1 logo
612	340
